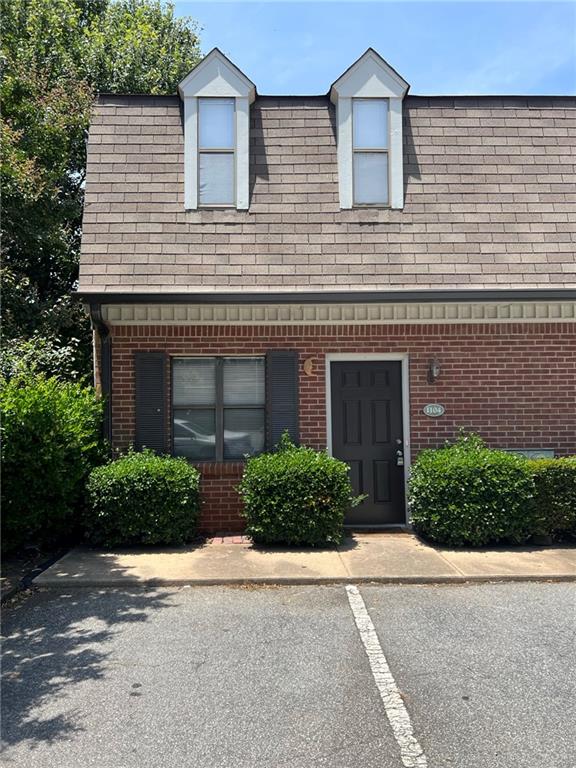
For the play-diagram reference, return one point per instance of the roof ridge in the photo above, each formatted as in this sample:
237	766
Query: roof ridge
481	96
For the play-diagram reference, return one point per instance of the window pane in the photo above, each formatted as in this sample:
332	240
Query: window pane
244	381
243	432
370	123
216	178
195	434
194	381
216	123
370	177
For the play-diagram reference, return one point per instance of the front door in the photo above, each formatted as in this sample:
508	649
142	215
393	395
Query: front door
367	434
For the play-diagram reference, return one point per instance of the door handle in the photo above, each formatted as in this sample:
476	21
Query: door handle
399	458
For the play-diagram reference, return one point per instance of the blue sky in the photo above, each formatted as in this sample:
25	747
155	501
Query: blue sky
439	48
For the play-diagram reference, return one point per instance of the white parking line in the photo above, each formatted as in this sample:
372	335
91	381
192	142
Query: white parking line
411	753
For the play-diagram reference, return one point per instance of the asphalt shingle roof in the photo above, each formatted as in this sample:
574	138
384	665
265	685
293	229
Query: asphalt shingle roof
490	202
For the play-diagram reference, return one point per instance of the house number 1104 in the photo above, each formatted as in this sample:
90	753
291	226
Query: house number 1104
434	410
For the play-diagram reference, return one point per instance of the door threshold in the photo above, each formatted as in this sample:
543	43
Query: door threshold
390	527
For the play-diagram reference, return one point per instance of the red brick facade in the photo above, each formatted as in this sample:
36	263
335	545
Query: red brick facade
515	384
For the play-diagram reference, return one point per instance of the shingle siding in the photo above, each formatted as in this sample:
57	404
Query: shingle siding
490	202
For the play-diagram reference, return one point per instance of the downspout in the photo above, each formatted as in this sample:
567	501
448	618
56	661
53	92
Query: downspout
103	334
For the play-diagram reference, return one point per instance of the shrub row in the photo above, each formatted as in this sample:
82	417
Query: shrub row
463	494
468	494
53	488
295	496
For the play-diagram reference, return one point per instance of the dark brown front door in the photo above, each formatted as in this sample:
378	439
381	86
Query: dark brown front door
367	434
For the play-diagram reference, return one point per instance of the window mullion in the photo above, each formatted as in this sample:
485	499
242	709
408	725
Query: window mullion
219	409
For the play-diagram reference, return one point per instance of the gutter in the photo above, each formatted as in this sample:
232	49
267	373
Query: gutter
98	324
325	297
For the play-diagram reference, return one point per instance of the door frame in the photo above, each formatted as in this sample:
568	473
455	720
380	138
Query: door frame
399	357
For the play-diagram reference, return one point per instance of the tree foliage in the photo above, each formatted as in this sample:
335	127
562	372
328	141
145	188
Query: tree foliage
56	55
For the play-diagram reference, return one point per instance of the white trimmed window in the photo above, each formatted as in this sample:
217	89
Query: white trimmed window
216	152
368	99
217	98
370	145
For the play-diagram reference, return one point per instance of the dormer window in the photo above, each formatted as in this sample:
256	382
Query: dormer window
216	152
368	98
217	98
370	148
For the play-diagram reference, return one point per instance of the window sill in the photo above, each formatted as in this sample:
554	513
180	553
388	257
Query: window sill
370	206
200	208
216	207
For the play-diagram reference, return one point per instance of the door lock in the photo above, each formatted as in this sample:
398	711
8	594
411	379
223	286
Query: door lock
399	458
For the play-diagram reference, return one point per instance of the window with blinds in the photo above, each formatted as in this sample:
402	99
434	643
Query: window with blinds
218	407
370	147
216	152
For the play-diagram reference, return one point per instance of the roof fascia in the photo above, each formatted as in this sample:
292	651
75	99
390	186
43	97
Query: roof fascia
331	297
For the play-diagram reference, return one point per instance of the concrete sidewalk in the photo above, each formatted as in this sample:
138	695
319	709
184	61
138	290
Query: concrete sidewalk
370	557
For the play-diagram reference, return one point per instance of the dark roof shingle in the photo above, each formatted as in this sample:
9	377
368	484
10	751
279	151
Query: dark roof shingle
490	202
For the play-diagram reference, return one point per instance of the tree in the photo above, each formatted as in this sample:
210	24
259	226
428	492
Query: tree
57	55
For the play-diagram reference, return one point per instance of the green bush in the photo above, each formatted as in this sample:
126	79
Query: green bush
554	502
295	496
142	498
466	494
50	442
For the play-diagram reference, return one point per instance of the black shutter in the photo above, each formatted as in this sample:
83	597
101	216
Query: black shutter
150	405
281	396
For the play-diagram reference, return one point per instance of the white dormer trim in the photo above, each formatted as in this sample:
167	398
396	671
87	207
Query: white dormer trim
369	77
216	76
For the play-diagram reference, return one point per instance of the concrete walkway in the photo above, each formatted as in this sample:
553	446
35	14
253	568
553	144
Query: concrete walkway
371	557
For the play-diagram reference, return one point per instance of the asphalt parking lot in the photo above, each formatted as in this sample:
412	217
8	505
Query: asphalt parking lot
254	677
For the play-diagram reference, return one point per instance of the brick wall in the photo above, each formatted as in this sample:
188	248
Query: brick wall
515	384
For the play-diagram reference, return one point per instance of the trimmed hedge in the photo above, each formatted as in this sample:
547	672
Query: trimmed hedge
295	496
50	442
142	498
554	503
467	494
